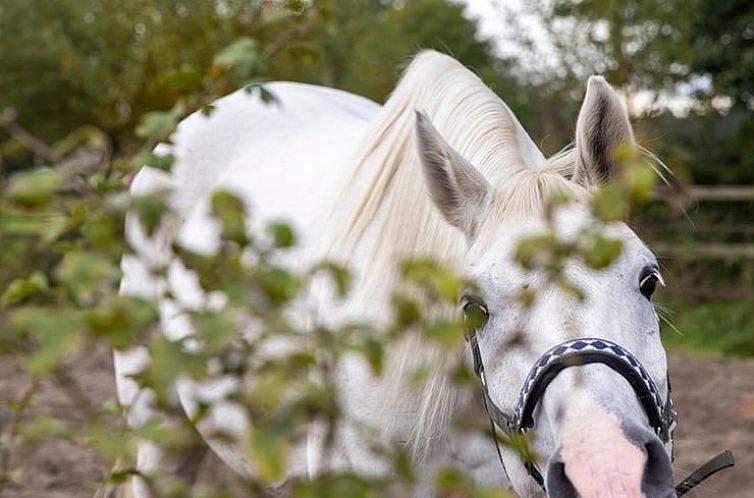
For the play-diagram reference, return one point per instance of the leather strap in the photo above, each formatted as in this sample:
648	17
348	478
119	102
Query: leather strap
661	416
722	461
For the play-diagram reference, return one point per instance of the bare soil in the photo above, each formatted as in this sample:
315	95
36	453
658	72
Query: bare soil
714	397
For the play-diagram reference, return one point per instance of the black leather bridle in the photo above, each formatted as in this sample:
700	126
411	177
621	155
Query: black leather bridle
578	352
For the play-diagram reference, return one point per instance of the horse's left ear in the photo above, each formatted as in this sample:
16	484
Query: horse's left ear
602	127
457	188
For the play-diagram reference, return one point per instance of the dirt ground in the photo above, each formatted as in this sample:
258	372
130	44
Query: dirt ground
714	397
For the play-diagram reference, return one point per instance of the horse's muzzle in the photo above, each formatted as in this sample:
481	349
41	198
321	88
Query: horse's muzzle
608	458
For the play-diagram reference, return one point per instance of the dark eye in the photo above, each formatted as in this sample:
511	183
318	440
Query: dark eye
475	312
648	282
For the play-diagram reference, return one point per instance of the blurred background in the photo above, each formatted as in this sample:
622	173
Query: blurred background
685	67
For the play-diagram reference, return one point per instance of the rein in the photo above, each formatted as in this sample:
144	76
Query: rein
662	417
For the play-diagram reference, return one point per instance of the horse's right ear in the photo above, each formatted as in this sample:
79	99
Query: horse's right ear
458	190
602	127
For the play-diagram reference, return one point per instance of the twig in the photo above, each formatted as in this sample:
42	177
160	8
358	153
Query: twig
34	144
296	32
6	439
71	387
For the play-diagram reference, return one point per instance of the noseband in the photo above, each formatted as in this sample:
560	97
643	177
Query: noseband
579	352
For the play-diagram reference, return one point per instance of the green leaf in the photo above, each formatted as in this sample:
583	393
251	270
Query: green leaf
610	203
407	311
230	211
536	252
375	355
21	289
150	209
215	330
447	333
122	319
59	333
158	125
641	180
241	56
279	285
83	273
163	162
282	235
265	95
44	428
34	188
269	450
340	276
169	361
185	78
599	251
571	290
339	485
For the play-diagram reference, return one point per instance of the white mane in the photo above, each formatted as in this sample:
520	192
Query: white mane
389	214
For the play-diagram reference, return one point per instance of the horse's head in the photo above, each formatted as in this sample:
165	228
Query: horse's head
594	435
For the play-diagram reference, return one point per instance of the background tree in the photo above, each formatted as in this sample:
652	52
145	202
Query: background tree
723	36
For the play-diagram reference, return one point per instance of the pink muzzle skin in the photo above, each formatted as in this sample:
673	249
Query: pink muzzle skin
598	459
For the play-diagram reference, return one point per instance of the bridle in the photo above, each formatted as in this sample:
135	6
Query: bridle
579	352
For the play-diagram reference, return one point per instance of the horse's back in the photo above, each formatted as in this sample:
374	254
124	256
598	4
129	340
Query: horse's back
286	159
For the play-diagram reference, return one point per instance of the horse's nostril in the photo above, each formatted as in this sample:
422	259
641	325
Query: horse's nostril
558	485
658	473
632	462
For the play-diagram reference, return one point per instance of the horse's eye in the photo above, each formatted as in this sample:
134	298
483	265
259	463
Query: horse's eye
475	312
648	283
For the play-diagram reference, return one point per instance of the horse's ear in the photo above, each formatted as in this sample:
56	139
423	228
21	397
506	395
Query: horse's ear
458	190
602	127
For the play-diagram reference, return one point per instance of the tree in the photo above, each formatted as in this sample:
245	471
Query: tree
106	62
636	45
724	49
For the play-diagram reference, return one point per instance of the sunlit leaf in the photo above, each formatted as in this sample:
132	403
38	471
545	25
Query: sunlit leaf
599	251
279	285
21	289
282	235
610	203
158	125
241	56
34	188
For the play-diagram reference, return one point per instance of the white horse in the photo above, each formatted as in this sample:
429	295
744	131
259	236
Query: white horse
460	181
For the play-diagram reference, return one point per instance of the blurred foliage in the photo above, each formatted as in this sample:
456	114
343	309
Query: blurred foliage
716	327
104	81
637	45
723	37
61	229
70	63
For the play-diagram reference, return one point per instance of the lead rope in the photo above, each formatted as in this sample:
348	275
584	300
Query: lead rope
722	461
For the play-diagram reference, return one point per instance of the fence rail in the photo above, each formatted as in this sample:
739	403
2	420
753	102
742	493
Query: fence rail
709	258
717	193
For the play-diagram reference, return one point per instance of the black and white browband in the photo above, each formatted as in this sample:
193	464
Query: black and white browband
578	352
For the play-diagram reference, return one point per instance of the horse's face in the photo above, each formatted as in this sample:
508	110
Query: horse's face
590	429
592	436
